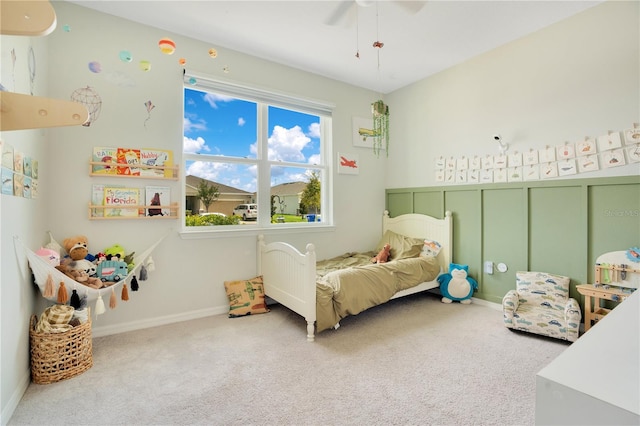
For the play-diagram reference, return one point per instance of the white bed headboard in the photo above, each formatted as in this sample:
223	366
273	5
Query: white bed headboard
423	226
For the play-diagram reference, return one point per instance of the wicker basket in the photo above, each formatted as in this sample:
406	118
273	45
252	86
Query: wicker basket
60	356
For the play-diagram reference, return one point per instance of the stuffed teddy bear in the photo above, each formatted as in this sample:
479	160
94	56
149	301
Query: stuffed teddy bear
383	255
456	285
76	248
80	276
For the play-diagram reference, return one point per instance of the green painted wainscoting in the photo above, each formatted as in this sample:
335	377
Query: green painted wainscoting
557	226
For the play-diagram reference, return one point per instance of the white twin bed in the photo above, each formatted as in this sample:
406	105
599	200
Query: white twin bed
321	296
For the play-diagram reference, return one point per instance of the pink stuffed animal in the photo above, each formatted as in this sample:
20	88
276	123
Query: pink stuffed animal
383	255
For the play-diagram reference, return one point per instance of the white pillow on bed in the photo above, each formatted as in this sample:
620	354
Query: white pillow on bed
430	248
402	247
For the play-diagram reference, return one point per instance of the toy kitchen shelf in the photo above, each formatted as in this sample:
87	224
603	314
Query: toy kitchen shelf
616	278
173	171
172	208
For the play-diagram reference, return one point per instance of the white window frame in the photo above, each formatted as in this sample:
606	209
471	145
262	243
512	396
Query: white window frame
265	98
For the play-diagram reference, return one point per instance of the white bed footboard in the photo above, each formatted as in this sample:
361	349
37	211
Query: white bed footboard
290	278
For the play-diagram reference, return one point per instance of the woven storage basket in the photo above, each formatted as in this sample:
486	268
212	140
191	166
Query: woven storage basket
60	356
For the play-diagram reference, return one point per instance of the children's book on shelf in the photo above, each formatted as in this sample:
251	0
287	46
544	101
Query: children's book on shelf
122	199
156	157
97	197
158	196
104	154
7	181
129	158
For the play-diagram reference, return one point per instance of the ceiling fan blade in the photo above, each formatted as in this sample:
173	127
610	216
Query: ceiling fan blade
411	7
339	12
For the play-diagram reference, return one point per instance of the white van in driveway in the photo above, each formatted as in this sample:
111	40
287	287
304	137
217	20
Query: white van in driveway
246	211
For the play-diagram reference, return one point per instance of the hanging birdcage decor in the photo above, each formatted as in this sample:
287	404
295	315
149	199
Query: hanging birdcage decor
380	112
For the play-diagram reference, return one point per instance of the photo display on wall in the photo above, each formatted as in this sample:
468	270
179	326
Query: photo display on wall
614	149
19	172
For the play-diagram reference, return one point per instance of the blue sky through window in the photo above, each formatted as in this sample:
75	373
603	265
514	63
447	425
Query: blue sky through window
225	126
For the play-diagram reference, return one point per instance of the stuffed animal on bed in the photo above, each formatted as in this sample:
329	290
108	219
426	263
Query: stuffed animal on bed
456	285
383	255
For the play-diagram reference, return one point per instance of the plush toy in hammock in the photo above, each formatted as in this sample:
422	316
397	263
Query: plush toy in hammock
456	285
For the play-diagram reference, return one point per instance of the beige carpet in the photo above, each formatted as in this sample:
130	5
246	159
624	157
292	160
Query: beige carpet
413	361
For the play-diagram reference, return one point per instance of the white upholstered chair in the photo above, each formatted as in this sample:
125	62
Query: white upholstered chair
541	304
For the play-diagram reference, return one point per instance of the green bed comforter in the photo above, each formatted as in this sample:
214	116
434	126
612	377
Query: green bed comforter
350	284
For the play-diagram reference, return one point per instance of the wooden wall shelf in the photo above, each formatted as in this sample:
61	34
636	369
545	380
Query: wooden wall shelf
172	169
173	212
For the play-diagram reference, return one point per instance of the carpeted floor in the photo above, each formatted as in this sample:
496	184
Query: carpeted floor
413	361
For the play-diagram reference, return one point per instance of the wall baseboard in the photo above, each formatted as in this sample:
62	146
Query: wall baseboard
158	321
16	396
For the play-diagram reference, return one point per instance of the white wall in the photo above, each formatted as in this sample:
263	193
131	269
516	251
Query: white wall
577	78
189	276
21	217
190	273
574	79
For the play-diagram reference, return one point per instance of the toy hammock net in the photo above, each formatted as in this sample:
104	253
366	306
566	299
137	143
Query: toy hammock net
55	285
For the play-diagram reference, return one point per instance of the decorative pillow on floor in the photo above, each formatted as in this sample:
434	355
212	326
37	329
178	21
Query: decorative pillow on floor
246	297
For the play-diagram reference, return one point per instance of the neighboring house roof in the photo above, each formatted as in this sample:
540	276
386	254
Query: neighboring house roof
290	188
192	182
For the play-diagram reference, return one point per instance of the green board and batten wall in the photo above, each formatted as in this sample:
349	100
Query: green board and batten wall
558	226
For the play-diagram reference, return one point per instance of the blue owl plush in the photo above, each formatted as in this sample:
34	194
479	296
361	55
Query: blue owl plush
456	285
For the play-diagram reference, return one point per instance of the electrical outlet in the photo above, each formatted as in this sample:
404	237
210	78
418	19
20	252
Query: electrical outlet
488	267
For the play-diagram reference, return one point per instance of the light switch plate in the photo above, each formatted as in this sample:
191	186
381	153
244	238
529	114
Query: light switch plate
488	267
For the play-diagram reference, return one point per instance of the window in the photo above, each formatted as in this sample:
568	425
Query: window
254	158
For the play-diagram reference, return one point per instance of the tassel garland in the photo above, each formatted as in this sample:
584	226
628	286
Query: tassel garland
48	288
125	292
83	299
151	266
112	299
143	273
134	284
99	306
63	296
75	299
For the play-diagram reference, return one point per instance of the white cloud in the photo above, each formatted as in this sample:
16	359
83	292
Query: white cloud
287	144
212	99
193	146
241	121
314	130
190	126
209	171
314	159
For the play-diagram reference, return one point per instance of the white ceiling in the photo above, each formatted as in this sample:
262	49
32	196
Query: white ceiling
441	34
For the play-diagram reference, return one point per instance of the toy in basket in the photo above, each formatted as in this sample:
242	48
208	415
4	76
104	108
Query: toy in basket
62	355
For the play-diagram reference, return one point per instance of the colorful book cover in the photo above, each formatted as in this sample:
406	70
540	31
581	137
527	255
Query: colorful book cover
97	198
104	154
27	166
18	162
130	157
121	198
26	188
18	184
156	157
7	156
158	196
7	181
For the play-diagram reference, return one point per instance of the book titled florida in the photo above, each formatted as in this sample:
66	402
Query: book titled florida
122	202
